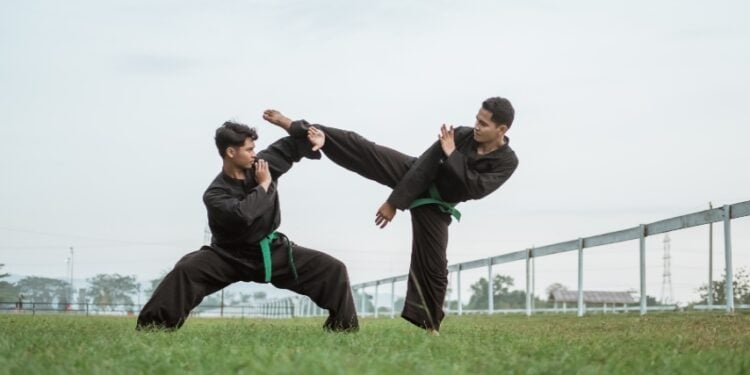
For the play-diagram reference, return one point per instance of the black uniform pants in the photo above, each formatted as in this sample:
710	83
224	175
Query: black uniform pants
428	272
321	277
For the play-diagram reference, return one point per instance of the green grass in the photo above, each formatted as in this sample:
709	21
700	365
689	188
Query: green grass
659	343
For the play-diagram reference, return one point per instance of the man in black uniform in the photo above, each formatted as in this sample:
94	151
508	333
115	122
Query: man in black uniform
243	214
466	163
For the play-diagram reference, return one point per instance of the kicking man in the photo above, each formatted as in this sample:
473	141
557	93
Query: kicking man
465	163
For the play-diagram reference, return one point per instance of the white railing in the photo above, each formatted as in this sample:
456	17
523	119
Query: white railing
724	214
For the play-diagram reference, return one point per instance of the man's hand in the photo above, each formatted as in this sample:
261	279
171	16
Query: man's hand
262	174
275	117
316	137
447	142
385	214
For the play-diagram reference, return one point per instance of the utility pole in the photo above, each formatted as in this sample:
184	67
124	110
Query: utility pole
710	260
67	276
221	309
667	295
70	299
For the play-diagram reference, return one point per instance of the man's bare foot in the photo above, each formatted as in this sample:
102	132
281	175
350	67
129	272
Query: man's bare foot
277	118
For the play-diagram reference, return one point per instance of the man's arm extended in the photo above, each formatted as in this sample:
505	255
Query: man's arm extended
283	153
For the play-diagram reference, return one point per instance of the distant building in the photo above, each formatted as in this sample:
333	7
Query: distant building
604	299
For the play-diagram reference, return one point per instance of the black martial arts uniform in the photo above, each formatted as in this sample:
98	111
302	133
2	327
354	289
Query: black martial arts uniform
462	176
240	215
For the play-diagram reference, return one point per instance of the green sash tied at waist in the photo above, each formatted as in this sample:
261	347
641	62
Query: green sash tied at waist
265	249
449	208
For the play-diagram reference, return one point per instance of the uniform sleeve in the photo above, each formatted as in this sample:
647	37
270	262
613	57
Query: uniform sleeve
282	154
225	207
421	175
299	128
478	184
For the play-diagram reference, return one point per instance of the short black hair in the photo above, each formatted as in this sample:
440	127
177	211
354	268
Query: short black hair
501	109
233	134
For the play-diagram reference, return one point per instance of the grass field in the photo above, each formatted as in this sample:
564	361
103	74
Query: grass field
660	343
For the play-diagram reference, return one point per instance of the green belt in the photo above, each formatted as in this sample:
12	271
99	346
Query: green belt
265	249
448	208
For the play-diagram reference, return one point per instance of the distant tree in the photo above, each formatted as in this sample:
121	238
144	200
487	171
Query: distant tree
501	294
154	283
43	289
451	305
652	301
398	304
740	282
213	301
82	296
259	296
479	292
8	291
384	310
554	288
112	289
358	296
242	298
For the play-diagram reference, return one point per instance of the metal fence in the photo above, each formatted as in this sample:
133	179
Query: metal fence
723	214
278	308
300	306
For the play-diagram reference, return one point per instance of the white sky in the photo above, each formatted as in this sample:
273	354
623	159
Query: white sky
627	113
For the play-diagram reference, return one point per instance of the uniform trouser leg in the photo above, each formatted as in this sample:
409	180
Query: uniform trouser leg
428	273
321	277
195	276
360	155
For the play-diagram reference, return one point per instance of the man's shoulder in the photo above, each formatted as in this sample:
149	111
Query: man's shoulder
509	157
461	131
218	183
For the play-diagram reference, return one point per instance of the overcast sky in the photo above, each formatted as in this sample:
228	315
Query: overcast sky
626	113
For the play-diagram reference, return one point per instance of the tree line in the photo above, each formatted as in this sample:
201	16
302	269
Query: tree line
116	289
102	289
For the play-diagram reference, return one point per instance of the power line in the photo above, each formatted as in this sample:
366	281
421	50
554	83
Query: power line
51	234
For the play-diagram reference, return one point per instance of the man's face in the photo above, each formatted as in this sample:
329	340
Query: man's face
243	156
486	130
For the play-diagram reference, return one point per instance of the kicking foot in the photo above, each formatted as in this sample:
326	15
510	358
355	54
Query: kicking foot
433	332
277	118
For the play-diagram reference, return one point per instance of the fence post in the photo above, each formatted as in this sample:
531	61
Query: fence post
642	245
393	298
580	277
490	288
375	305
33	308
710	261
728	254
458	285
528	282
363	303
533	281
